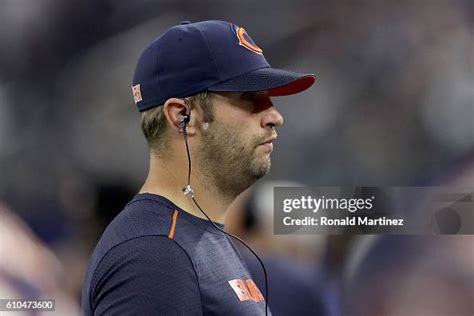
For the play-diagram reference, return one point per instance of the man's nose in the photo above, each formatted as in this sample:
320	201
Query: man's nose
271	117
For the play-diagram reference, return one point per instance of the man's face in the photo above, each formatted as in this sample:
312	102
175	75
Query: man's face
236	147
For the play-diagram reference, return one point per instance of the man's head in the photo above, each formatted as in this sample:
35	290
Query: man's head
215	71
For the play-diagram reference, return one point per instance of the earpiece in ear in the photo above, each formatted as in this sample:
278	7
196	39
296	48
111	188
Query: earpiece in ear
183	121
184	118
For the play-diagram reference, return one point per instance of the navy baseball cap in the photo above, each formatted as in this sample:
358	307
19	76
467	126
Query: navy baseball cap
211	55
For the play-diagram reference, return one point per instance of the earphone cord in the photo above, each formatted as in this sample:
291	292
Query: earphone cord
185	134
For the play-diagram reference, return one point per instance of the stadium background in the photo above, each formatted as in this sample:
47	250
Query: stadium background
393	106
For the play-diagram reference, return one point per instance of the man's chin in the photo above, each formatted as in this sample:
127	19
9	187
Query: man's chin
262	170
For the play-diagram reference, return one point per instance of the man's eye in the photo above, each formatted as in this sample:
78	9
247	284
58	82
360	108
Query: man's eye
249	96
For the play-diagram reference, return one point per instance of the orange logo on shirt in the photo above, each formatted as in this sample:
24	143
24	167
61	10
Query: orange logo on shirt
247	290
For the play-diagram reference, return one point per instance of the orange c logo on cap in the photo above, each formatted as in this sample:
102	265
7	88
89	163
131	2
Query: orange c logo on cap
247	43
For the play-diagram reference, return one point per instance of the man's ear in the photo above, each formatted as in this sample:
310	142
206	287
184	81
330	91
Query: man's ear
174	108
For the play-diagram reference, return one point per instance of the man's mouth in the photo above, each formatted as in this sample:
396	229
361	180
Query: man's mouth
268	144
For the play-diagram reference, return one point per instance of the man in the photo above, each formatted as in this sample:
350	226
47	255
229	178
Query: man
160	255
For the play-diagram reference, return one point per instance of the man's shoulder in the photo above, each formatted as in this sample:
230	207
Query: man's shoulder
142	216
150	215
140	267
142	228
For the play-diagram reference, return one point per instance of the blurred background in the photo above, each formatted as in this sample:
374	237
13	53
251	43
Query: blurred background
393	106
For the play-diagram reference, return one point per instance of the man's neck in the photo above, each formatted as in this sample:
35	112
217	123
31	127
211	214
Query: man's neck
166	180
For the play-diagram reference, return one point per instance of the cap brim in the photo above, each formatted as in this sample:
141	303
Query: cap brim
278	82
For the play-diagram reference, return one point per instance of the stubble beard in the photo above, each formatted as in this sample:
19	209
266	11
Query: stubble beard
230	163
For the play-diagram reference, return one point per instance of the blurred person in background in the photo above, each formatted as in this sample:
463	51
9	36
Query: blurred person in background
410	275
29	270
292	261
417	275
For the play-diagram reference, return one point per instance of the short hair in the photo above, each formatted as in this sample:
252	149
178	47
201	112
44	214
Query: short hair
154	123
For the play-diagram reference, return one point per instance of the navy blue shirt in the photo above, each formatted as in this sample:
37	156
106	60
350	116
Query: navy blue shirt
156	259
